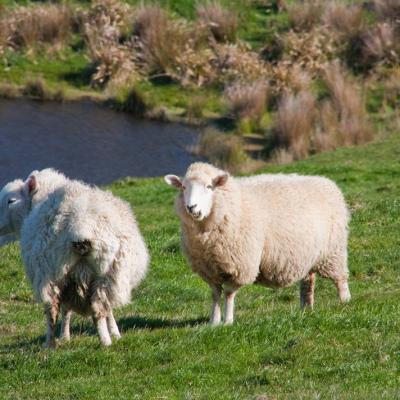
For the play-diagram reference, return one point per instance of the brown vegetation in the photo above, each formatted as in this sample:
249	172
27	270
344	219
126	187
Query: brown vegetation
246	100
382	45
295	123
31	26
225	151
305	15
221	23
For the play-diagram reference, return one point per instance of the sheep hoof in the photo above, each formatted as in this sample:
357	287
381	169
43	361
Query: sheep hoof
106	341
229	322
49	346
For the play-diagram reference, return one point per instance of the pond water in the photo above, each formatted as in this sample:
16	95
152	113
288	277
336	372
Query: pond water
88	142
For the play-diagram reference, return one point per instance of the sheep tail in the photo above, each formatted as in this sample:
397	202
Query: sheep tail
82	247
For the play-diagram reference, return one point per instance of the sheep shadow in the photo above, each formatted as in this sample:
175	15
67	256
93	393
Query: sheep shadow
139	323
86	327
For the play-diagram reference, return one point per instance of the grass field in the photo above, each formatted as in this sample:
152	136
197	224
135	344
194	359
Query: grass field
273	351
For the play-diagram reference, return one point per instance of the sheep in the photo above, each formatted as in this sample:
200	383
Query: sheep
81	248
272	230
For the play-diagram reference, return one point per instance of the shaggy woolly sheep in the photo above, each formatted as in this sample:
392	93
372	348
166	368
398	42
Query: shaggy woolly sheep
81	248
269	229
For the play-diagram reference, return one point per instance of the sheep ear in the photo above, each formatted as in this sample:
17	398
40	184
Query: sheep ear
30	185
173	180
220	180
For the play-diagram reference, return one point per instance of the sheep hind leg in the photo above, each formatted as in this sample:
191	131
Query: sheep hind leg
229	305
102	329
307	285
112	326
216	308
51	311
335	268
65	324
342	286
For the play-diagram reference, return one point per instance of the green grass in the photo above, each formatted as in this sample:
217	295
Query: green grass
168	352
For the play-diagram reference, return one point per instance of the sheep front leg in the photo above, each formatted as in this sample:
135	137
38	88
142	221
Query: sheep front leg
229	305
216	308
65	324
112	326
307	291
51	311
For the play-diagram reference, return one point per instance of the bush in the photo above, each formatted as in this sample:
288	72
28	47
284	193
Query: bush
309	50
103	28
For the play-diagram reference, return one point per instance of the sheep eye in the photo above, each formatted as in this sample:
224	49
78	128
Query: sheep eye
183	187
209	186
10	201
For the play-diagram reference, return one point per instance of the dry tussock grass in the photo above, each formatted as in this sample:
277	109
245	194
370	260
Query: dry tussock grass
225	151
30	27
388	10
295	123
345	20
349	105
305	126
221	23
381	44
246	100
303	16
159	40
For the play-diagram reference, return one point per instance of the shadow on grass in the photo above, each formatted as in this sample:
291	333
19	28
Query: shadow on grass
87	328
134	323
80	78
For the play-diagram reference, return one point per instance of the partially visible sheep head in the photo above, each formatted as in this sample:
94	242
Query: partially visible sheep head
15	204
198	188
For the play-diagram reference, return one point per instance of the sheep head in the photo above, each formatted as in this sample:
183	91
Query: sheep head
15	204
198	188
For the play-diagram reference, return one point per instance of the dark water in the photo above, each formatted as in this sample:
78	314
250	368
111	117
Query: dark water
88	142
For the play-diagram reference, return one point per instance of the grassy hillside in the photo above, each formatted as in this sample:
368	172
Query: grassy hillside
273	351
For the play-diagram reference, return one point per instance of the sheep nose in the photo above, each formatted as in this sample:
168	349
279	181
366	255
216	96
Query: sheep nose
191	208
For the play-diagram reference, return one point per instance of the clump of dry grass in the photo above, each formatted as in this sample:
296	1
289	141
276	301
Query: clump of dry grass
225	151
9	90
304	15
343	19
159	39
246	100
286	77
353	126
221	23
195	108
294	123
382	45
31	26
305	126
388	10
